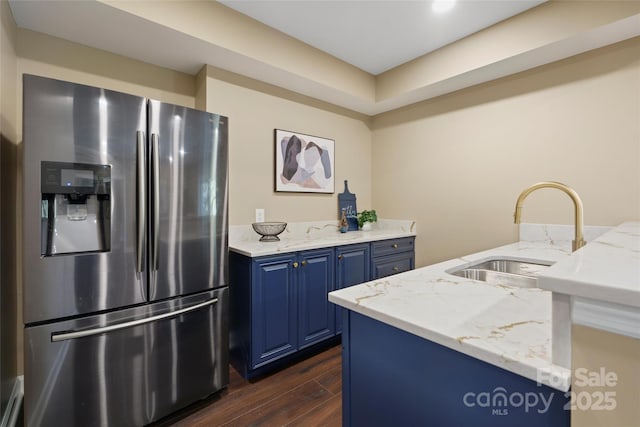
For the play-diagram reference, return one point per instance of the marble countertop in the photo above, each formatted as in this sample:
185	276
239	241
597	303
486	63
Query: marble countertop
606	269
508	327
314	235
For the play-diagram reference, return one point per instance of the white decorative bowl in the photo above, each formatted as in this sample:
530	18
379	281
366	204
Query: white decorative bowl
269	230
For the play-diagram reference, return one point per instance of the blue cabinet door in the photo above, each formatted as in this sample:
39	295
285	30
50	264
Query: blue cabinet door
274	309
316	315
352	268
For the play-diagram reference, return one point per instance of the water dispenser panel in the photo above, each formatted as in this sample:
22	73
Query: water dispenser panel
76	208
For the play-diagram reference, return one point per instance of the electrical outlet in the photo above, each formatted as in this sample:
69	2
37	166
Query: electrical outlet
259	215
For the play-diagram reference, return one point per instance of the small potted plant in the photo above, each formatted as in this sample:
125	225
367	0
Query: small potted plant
366	219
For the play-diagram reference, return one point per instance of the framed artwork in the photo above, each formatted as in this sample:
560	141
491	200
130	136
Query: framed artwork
304	163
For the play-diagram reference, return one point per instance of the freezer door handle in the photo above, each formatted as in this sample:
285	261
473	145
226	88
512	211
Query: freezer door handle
156	200
70	335
142	201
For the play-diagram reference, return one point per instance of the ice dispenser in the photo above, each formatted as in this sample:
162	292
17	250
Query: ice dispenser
76	208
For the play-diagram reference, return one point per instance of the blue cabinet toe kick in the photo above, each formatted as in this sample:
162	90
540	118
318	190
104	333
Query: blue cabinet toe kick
391	377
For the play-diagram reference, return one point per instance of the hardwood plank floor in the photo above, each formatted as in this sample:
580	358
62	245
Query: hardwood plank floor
308	393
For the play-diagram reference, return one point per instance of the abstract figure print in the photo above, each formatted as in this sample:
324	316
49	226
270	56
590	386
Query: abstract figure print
304	163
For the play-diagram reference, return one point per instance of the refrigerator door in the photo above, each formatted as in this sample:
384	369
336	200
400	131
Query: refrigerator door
89	129
188	208
128	367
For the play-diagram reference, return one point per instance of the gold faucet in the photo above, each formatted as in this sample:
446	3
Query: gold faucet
579	237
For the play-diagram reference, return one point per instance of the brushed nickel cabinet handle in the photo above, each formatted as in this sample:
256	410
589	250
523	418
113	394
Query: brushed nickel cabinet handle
395	246
395	269
340	256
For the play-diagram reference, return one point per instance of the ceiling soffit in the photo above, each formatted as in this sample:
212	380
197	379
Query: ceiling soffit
183	38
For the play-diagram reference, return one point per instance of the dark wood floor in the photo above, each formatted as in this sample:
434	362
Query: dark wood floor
307	394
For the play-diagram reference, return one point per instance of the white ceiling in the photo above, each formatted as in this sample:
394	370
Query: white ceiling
378	35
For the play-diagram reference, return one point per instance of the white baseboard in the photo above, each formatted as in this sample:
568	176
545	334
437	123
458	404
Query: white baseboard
12	412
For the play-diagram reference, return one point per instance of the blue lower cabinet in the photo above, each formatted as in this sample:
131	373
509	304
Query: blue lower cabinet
316	315
279	306
352	268
394	378
274	309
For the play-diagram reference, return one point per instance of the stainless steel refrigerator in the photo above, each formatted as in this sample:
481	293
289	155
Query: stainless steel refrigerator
124	253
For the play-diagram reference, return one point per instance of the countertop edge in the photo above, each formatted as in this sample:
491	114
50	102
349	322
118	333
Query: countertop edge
303	245
591	291
587	273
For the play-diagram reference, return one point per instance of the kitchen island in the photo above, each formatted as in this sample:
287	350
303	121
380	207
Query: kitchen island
428	348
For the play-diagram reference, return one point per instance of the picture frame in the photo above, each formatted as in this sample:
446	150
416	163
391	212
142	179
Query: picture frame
304	163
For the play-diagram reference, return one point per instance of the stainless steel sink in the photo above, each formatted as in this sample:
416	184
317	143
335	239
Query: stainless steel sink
504	272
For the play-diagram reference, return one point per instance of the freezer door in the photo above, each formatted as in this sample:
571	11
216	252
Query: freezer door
125	368
188	208
90	128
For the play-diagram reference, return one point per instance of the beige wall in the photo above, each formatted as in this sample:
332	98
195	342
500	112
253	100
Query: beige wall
457	163
593	350
255	110
10	300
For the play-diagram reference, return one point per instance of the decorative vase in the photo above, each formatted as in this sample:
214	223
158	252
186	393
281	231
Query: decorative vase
343	226
367	226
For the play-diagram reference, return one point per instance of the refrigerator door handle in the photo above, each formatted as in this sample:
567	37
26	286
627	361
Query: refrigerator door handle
63	336
142	201
156	200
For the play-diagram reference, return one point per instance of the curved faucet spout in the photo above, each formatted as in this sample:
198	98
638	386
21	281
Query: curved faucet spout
577	202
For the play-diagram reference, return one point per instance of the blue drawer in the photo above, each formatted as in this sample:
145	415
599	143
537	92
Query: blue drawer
392	246
391	264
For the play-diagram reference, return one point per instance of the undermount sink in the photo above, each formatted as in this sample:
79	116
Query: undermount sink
505	272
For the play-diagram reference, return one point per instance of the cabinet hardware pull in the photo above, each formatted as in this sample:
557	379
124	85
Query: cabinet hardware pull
395	269
295	265
304	263
395	246
340	257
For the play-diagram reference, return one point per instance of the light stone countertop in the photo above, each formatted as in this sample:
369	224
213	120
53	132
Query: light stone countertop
508	327
314	235
606	269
